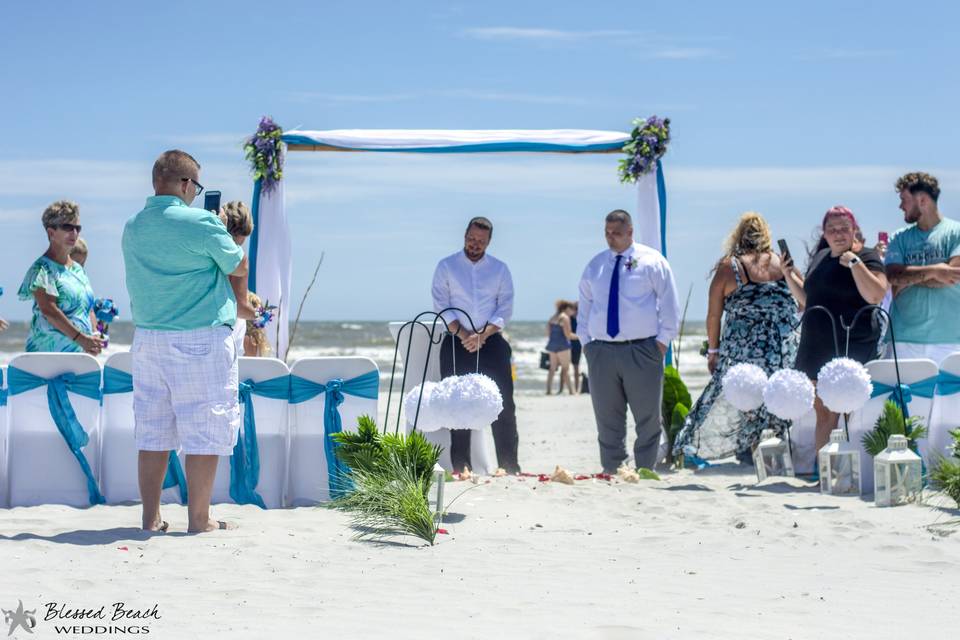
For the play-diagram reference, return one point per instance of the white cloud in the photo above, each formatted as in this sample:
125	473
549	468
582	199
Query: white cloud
541	35
837	54
345	98
646	45
218	143
486	95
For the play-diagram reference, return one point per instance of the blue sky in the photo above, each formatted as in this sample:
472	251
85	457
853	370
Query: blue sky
785	108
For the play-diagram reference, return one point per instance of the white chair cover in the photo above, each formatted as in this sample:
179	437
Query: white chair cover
273	437
803	438
118	453
308	481
41	468
945	415
3	441
481	442
862	421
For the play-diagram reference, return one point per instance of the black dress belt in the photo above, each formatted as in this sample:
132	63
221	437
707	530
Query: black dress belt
635	341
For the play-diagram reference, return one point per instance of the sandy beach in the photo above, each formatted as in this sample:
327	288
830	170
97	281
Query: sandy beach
695	554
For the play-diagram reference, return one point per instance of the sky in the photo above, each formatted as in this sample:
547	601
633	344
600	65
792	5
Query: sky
782	108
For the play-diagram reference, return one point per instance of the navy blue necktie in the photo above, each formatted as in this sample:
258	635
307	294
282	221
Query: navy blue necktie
613	302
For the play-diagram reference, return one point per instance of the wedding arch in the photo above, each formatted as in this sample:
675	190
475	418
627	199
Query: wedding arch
269	248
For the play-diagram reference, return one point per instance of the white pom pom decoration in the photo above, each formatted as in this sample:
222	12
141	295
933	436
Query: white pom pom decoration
743	386
843	385
426	419
472	401
789	394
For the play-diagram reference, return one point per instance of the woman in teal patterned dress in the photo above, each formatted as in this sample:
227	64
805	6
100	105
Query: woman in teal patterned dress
760	328
61	293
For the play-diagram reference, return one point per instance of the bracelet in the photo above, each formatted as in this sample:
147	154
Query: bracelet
710	351
74	339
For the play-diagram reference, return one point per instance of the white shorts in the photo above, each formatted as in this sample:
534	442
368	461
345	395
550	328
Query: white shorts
935	352
185	390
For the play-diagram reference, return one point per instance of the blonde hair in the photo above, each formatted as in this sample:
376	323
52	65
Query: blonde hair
750	236
257	335
239	220
60	212
79	249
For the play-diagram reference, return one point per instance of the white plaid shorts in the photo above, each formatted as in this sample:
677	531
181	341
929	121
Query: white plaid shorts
185	386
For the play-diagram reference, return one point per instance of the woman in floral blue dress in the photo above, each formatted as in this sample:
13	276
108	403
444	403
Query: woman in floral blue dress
61	293
760	328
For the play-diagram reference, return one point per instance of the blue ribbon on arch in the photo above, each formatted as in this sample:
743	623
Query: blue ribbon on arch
119	381
64	417
904	393
245	461
363	386
947	384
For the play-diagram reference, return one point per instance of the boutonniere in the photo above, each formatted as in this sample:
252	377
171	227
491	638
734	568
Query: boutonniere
631	264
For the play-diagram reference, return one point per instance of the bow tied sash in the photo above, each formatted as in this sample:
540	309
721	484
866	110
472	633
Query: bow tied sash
64	417
302	390
903	394
245	461
119	381
947	384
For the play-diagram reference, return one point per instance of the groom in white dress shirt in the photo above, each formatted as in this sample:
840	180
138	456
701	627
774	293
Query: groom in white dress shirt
480	285
628	315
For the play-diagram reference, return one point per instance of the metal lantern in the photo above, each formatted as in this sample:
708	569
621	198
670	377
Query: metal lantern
772	456
897	474
439	477
840	466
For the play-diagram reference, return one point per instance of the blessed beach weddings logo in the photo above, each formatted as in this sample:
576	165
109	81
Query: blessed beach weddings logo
58	612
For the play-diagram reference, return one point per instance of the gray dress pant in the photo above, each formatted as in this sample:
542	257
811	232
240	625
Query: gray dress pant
623	373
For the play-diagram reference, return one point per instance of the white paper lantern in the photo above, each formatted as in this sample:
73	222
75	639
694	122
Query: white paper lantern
772	456
843	385
472	401
743	386
788	394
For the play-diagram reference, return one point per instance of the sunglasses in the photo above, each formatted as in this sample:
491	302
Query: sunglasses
69	227
196	185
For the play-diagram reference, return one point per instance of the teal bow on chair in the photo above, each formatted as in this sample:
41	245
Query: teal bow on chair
84	384
119	381
903	395
363	386
947	384
245	461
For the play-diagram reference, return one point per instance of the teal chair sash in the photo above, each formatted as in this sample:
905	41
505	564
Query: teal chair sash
302	390
64	417
245	461
903	395
947	384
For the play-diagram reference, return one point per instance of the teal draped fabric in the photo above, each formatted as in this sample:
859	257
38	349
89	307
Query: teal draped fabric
363	386
119	381
245	461
84	384
903	394
947	384
3	392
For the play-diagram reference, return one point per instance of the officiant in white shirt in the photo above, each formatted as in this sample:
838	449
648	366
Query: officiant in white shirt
628	315
480	285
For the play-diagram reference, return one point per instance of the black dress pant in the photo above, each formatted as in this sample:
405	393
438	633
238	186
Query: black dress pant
495	363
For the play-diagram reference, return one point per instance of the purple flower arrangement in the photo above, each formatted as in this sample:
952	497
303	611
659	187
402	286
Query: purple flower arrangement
648	142
105	312
264	315
265	153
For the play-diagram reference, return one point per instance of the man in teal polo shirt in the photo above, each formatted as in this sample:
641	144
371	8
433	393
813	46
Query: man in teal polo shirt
923	265
185	379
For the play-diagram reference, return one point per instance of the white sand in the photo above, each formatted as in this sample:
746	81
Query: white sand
706	554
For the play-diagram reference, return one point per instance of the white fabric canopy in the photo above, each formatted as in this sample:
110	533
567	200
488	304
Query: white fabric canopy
437	140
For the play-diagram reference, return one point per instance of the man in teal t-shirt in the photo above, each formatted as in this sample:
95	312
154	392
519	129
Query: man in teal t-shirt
923	265
185	379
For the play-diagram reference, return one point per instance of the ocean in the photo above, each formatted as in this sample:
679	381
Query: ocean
372	340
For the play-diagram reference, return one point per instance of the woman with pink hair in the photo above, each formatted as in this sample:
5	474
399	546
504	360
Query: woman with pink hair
843	276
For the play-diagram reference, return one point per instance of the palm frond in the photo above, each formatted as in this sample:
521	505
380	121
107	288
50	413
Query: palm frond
891	422
945	475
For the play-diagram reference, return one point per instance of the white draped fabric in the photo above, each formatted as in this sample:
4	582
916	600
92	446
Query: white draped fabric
435	140
274	265
646	219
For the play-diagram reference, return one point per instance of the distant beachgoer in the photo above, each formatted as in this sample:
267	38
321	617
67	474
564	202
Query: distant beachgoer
63	319
80	252
238	220
575	347
185	379
749	293
923	265
255	343
628	316
844	277
475	281
559	341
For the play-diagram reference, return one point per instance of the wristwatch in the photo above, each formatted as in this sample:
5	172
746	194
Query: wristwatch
854	261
